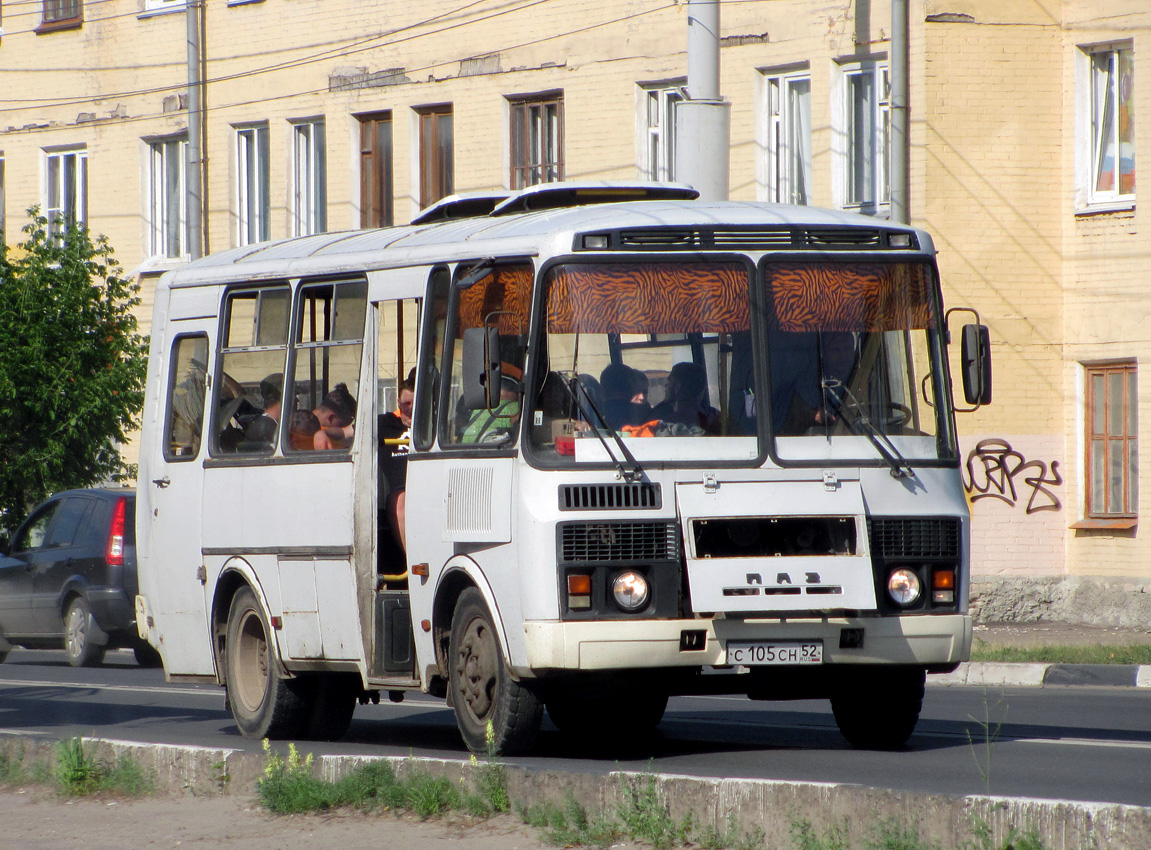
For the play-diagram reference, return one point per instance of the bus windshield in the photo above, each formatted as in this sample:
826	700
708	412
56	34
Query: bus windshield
666	349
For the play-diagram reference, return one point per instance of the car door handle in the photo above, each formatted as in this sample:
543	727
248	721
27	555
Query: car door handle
162	482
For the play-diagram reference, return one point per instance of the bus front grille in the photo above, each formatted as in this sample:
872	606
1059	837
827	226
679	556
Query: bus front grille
914	537
598	542
609	497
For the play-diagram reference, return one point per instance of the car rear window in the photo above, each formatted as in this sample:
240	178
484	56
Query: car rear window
73	515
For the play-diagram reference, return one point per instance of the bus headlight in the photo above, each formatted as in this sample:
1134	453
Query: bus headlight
904	587
630	591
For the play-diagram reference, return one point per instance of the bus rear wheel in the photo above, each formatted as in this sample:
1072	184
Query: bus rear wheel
877	708
482	690
265	703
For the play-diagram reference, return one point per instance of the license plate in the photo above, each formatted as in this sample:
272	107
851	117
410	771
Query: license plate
751	652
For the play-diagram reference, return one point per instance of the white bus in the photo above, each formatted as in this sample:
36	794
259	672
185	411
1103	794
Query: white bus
658	447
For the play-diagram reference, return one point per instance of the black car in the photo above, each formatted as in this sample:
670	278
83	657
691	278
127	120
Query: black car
68	578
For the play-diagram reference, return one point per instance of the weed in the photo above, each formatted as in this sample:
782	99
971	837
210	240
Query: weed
429	796
645	815
569	825
987	739
805	837
892	835
1014	840
720	839
12	768
79	773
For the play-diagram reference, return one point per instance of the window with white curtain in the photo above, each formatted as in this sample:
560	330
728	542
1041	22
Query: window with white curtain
787	109
310	178
168	161
253	204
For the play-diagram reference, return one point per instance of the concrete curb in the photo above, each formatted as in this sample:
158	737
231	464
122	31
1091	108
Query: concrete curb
986	673
768	805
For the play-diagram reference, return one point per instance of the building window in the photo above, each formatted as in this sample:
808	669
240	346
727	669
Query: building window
864	120
537	140
310	177
59	14
163	5
3	206
1110	125
1112	440
657	106
788	143
252	172
376	170
66	188
437	174
169	197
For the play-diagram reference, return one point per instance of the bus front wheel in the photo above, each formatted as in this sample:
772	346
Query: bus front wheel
877	708
482	690
265	704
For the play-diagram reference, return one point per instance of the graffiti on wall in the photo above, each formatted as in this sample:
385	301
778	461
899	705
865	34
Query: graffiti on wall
995	470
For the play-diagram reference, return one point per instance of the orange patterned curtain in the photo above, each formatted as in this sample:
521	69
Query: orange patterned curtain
648	298
868	297
507	292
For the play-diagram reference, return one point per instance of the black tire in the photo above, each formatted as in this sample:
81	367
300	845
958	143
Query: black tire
333	702
264	702
877	709
4	655
79	633
147	655
610	716
482	690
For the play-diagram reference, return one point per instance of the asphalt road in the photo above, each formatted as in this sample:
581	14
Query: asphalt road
1072	743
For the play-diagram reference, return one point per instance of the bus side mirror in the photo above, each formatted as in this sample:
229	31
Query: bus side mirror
975	353
480	372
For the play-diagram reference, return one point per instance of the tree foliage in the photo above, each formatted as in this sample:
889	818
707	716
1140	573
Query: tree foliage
72	365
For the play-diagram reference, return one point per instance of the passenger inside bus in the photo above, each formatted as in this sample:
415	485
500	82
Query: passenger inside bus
335	413
685	403
302	429
498	424
392	430
261	431
620	387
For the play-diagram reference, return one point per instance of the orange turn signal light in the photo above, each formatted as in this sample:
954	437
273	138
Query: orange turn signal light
579	585
943	580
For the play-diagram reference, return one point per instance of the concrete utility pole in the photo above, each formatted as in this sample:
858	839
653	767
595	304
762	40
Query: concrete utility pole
900	115
703	120
195	175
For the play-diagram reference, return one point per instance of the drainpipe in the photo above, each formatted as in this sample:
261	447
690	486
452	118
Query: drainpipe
195	175
900	115
703	119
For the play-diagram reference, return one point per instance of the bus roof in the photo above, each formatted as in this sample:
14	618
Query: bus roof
668	223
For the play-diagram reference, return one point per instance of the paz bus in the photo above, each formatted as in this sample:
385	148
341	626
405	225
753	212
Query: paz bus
658	446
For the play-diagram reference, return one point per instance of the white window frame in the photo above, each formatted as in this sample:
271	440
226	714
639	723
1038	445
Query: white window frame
3	204
1098	93
168	197
655	122
253	201
861	137
158	6
309	177
65	188
785	172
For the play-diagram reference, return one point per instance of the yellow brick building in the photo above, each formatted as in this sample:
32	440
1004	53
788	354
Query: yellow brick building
338	114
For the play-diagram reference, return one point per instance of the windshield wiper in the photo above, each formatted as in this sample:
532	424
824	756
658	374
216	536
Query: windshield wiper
858	421
631	471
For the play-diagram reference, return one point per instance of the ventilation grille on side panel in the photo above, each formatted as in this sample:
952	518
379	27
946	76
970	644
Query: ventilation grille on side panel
760	239
914	538
764	238
617	541
609	497
661	239
843	237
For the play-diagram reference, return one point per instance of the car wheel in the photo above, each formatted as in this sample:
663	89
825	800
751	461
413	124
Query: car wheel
265	703
79	631
484	695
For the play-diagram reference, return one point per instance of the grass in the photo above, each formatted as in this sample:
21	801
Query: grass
1133	654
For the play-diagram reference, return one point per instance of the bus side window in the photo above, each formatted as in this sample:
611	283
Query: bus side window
326	351
395	388
433	333
501	299
249	390
185	401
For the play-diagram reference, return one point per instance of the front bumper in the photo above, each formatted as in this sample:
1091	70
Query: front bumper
927	641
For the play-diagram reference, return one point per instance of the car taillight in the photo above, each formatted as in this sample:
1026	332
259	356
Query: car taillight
115	553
